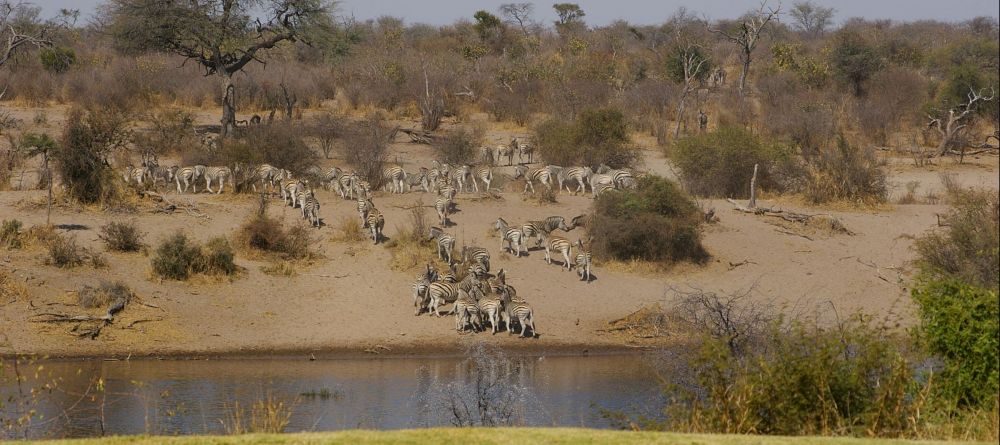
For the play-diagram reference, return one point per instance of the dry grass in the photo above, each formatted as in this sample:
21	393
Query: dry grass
349	230
12	289
268	415
101	296
280	268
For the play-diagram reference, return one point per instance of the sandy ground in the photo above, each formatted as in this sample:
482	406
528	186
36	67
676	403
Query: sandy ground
351	302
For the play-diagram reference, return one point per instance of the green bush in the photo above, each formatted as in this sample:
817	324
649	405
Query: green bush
968	247
720	163
654	222
178	258
57	59
961	324
121	236
82	159
597	136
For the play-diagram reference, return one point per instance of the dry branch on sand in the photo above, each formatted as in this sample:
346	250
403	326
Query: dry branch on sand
166	206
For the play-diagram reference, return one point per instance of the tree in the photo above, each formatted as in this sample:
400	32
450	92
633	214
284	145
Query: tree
952	124
811	18
222	36
854	61
686	65
42	144
570	17
21	28
519	13
747	35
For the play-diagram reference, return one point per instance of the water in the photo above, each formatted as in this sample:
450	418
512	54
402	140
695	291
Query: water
192	397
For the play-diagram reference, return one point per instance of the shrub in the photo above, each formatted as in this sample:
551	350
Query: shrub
460	146
177	258
103	295
10	234
280	144
122	236
350	230
846	172
65	253
87	141
597	136
57	59
720	163
265	234
655	222
366	147
961	324
968	247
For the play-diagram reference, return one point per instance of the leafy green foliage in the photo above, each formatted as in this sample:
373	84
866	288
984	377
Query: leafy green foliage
81	160
655	222
720	163
968	247
854	61
597	136
691	54
178	258
57	59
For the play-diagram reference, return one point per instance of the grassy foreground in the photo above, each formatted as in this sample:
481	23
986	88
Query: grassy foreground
466	436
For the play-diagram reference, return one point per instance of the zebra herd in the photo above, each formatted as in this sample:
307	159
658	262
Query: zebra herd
604	179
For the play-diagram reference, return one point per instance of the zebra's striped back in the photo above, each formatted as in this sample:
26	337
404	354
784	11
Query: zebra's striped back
582	261
445	242
491	307
220	174
477	254
310	209
375	222
519	310
505	150
188	175
441	293
443	206
554	243
393	178
466	312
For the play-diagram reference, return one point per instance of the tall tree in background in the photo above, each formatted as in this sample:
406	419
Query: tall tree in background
222	36
746	35
570	17
519	13
811	18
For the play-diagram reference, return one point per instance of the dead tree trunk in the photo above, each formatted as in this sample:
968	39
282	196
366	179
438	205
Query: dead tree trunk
753	188
228	105
957	120
290	100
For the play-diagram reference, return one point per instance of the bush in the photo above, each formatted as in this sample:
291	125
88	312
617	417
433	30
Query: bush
597	136
65	253
122	236
366	148
57	59
10	234
460	146
280	144
177	258
82	159
846	172
655	222
720	163
961	324
968	247
265	234
104	294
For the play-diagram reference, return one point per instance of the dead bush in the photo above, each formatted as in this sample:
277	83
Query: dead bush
848	173
966	247
461	145
263	233
64	252
366	147
104	295
10	234
895	94
350	230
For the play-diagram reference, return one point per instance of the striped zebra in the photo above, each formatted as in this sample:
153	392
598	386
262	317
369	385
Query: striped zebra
451	276
523	150
365	205
220	174
579	221
445	243
165	174
482	173
440	293
345	184
461	176
510	237
486	156
393	177
555	175
476	254
419	178
582	262
505	151
329	178
547	225
290	189
443	206
420	287
541	175
579	174
518	309
375	222
446	190
621	179
310	209
478	270
555	243
466	311
491	309
137	174
362	187
471	280
600	182
189	175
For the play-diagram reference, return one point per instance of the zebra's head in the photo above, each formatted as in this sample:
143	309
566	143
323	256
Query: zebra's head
563	226
434	232
520	172
500	224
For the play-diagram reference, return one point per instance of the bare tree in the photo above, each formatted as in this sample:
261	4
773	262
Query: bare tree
747	35
222	36
811	18
950	127
693	66
519	13
21	29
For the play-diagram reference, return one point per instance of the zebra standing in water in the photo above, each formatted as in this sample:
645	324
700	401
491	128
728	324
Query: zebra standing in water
542	175
505	150
189	176
310	209
393	177
375	222
483	173
555	243
579	174
510	237
582	263
220	174
445	243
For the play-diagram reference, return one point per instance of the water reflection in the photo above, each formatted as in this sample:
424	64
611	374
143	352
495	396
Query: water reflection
191	397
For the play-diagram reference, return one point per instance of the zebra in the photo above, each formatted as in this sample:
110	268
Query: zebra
445	243
466	311
447	191
220	174
486	156
330	177
582	262
491	309
579	174
476	254
420	287
505	150
440	293
417	179
137	174
600	182
555	175
451	276
362	187
345	184
555	243
165	174
541	175
509	236
365	205
393	177
471	280
375	222
620	178
478	270
547	225
189	175
523	150
518	309
579	221
290	191
443	205
483	173
310	209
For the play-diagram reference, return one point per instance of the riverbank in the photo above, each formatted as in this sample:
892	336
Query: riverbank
462	436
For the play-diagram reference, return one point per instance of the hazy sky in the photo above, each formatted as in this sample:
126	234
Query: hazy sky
600	12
